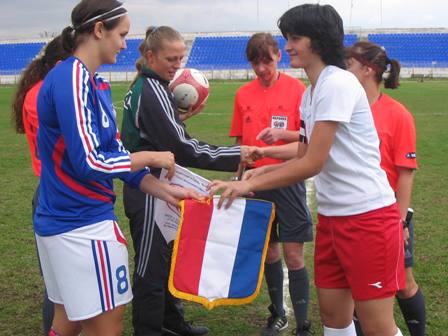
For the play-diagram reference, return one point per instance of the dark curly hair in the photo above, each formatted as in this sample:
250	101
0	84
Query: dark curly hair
322	24
35	72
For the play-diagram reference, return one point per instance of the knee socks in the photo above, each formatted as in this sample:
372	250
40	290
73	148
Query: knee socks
299	290
274	280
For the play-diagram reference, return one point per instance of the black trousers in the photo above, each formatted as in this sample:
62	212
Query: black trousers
153	305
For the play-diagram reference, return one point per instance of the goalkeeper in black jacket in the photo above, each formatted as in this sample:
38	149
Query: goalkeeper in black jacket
151	122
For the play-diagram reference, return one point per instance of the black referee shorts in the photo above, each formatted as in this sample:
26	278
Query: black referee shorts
292	222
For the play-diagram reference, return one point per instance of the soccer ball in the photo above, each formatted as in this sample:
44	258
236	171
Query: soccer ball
190	87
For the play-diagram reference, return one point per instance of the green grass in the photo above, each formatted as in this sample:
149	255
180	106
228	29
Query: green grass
21	284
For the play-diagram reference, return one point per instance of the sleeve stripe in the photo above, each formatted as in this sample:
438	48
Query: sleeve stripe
137	112
84	87
162	96
302	133
226	151
84	126
77	102
181	131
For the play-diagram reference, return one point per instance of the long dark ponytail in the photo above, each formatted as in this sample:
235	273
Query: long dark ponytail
375	56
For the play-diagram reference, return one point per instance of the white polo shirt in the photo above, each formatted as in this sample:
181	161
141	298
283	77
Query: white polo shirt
351	180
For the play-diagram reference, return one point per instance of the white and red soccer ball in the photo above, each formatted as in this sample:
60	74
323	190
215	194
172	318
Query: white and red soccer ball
190	87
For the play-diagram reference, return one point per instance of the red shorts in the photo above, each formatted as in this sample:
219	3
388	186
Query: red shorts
362	252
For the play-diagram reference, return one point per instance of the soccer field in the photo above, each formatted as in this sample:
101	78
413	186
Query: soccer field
21	284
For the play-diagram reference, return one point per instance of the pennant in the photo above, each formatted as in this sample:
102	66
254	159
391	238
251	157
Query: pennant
218	256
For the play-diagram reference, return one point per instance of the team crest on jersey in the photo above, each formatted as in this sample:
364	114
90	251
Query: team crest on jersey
279	122
411	155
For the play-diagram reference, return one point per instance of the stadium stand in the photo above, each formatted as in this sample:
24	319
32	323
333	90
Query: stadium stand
126	59
207	53
222	55
228	52
14	57
415	50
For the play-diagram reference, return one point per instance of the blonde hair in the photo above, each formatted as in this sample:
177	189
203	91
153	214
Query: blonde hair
155	36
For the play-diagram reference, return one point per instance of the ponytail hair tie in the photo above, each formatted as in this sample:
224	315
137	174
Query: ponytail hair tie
73	31
388	60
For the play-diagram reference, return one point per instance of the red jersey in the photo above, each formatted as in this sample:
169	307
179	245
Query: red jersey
31	124
396	130
258	107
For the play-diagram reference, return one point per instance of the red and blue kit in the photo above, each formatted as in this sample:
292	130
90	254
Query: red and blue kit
80	151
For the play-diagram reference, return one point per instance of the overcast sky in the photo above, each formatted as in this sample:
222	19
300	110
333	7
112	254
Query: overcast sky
29	18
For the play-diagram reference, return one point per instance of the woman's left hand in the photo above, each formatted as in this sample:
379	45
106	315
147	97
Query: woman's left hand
270	135
231	190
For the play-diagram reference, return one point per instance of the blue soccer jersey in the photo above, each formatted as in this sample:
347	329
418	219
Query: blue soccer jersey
80	150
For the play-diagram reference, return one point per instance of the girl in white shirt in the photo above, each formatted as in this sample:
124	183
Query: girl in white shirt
359	243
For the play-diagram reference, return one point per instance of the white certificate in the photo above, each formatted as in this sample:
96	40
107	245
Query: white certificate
167	216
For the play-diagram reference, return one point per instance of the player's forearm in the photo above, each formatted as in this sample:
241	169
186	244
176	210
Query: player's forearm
273	167
283	152
283	175
140	160
290	136
153	186
404	190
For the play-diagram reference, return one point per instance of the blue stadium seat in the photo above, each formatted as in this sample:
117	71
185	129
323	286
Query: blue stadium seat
15	57
229	52
415	50
126	59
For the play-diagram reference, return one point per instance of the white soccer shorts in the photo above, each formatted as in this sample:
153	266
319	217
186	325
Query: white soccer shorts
86	269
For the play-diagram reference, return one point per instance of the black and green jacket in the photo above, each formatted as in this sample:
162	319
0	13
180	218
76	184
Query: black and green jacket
151	122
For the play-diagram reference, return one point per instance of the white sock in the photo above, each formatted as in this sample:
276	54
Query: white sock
347	331
398	332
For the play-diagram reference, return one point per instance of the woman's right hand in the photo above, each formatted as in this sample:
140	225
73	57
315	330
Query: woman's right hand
250	154
177	193
167	192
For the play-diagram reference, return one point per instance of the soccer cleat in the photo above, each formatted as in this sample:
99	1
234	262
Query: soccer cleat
305	330
275	324
184	329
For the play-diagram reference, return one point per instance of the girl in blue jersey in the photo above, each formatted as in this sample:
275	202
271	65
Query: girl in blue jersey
82	250
25	117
